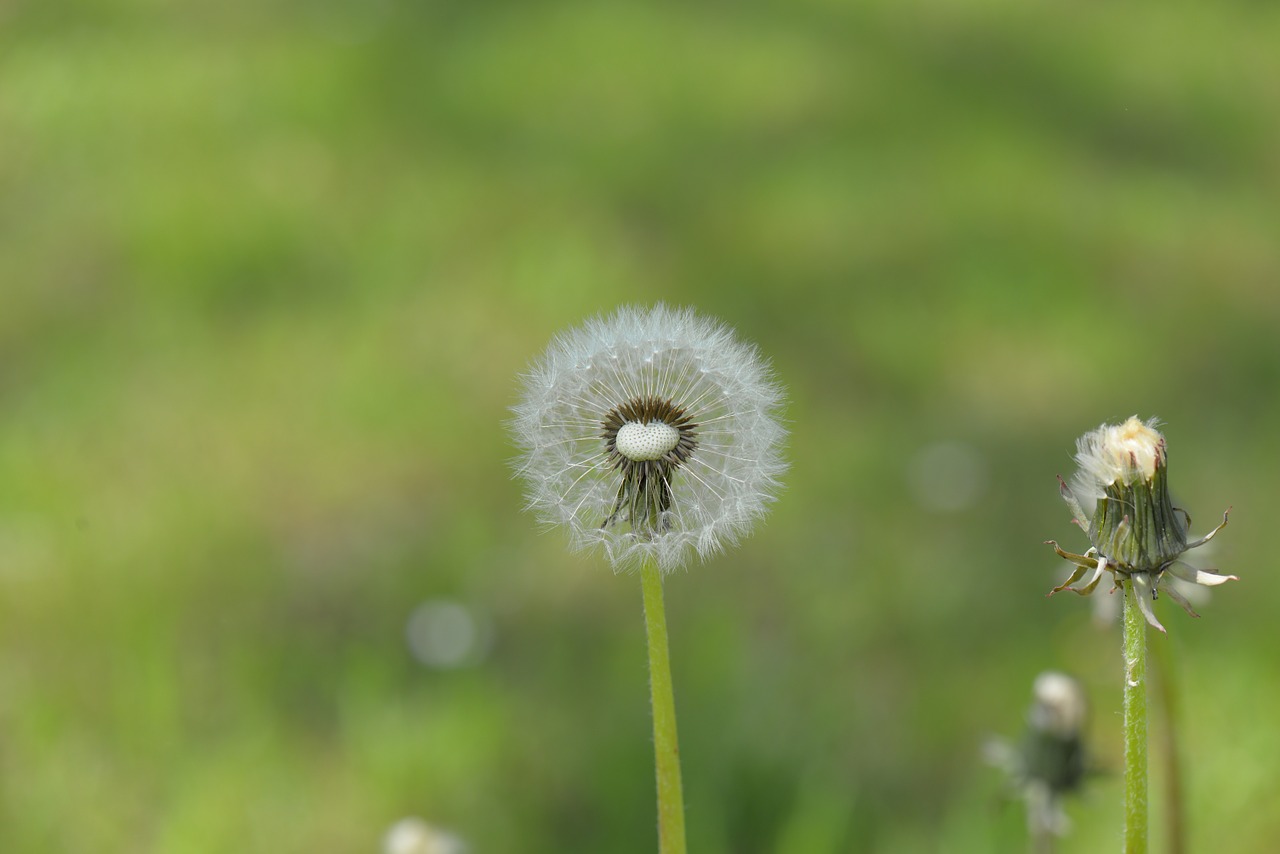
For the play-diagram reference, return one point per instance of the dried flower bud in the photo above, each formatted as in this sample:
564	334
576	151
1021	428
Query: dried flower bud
1054	750
1120	496
1050	761
1122	479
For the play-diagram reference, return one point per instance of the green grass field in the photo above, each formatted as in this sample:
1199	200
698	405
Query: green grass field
268	275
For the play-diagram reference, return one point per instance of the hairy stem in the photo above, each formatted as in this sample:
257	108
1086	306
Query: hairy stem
666	747
1135	723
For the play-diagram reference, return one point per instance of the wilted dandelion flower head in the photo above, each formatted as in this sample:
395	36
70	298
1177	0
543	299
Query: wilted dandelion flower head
650	433
1120	497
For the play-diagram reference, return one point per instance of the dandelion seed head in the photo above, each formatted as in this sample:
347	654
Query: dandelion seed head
650	434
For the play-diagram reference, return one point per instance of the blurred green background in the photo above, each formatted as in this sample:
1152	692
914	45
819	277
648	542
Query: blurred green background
268	273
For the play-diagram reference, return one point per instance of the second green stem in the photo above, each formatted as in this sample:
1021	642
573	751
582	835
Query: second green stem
1135	724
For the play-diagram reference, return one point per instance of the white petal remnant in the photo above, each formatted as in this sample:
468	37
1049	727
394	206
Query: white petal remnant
652	434
1120	496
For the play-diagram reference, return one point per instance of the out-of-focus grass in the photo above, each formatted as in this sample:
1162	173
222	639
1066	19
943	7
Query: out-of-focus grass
267	276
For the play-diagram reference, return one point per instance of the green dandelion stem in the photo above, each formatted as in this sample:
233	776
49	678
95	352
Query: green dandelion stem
666	747
1135	723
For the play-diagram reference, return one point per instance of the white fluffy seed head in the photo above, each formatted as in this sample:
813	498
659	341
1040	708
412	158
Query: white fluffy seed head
730	475
652	441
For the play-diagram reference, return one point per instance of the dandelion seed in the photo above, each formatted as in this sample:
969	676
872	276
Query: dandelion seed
651	434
